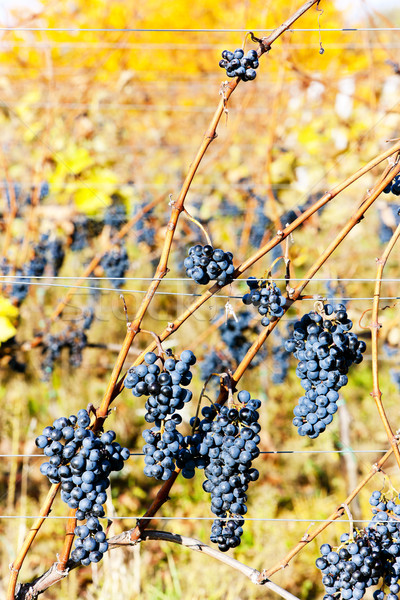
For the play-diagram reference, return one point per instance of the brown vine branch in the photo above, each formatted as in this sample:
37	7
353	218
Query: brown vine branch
54	574
17	564
333	517
374	327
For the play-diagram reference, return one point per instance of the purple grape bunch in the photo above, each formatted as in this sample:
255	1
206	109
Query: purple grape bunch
82	461
325	350
268	299
163	385
370	558
230	446
237	64
204	263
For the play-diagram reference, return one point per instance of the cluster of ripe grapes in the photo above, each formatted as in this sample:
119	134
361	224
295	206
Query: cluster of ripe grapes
372	556
82	465
168	449
237	64
325	350
115	264
72	338
204	263
267	298
230	447
163	387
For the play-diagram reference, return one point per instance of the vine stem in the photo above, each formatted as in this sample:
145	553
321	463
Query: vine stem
17	564
374	327
54	574
68	540
339	512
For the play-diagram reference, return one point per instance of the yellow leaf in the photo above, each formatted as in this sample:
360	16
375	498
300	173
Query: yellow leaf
90	201
7	329
7	309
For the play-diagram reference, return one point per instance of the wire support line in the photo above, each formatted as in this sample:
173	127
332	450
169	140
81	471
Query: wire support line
347	451
191	30
188	279
90	288
175	46
159	518
83	288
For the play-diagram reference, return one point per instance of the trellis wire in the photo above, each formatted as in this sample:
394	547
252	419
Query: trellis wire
347	451
191	30
193	295
159	518
187	279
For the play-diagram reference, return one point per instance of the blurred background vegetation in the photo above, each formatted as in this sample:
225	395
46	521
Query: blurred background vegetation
93	120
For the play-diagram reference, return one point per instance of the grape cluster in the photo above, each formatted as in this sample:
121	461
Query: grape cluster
280	357
115	264
213	362
82	464
393	186
205	263
267	298
115	217
163	387
234	334
72	338
230	447
373	555
325	351
239	65
79	238
168	449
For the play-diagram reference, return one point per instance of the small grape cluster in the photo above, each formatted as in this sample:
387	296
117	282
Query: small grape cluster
230	447
72	338
115	217
79	237
204	263
267	297
325	351
163	387
234	333
393	186
115	264
82	465
373	554
239	65
167	449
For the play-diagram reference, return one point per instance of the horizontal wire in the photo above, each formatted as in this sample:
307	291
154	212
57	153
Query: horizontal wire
158	518
187	279
176	46
191	30
349	451
167	293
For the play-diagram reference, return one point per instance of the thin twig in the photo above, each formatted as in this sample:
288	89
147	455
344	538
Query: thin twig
333	517
374	327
